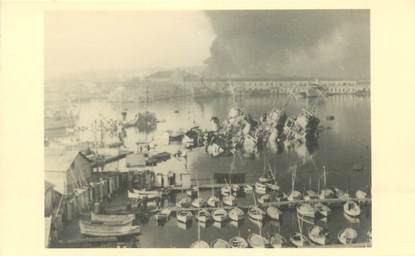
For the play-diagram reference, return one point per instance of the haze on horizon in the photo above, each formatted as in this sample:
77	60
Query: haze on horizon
309	43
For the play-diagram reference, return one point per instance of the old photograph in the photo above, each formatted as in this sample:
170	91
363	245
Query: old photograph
207	129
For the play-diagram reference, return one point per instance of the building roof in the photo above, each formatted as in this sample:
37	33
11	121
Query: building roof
59	159
57	179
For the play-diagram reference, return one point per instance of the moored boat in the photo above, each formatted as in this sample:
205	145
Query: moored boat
310	195
306	210
184	216
198	202
273	186
264	199
273	213
294	196
219	215
265	179
164	214
351	208
203	215
220	243
185	202
236	214
236	189
92	229
347	236
322	209
257	241
213	201
247	188
326	193
318	235
261	188
192	192
238	242
199	244
341	194
229	200
277	241
256	213
106	219
140	194
226	190
299	240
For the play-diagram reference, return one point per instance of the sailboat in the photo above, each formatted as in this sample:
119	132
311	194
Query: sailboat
238	242
347	236
256	213
273	213
318	235
213	201
220	243
306	210
294	195
277	241
257	241
236	214
352	209
184	216
219	215
273	186
326	193
230	199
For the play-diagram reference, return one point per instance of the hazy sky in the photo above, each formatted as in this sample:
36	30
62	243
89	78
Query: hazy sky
94	41
308	43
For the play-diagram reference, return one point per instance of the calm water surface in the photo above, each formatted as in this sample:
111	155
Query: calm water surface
345	143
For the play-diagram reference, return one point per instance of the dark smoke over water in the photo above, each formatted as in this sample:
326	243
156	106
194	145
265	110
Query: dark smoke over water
307	43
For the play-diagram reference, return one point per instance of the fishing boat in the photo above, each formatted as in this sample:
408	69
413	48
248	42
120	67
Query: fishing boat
247	188
277	241
306	210
203	215
310	195
220	243
238	242
92	229
229	200
184	216
106	219
322	209
263	199
199	202
213	201
351	208
299	240
185	202
347	236
318	235
219	215
273	213
257	241
256	213
236	214
199	244
261	188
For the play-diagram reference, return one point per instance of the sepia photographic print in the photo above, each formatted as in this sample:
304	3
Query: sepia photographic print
207	129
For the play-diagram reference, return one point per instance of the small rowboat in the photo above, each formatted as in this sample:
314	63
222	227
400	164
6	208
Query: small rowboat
199	244
306	210
294	195
184	202
260	188
229	200
277	241
317	235
264	199
351	208
273	213
213	201
310	195
236	214
326	193
299	240
198	202
91	229
203	215
238	242
347	236
256	213
322	209
219	215
184	216
106	219
220	243
226	190
257	241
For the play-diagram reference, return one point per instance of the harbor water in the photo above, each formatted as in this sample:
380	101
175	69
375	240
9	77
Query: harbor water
343	144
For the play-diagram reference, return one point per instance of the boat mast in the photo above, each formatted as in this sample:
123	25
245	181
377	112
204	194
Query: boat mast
324	176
